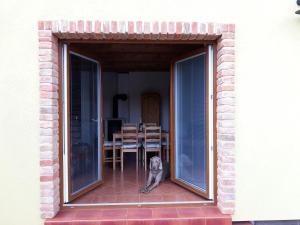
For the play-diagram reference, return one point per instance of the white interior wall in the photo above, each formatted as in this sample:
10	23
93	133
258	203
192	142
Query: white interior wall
110	88
134	84
123	88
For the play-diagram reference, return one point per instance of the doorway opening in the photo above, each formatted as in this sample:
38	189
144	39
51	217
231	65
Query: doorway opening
109	86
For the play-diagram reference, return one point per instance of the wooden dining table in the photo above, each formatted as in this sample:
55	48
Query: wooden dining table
141	135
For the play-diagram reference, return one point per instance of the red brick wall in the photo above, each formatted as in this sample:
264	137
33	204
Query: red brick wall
49	34
49	172
225	120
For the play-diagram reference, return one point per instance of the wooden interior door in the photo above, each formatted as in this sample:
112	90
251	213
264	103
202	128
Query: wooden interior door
190	123
151	107
82	158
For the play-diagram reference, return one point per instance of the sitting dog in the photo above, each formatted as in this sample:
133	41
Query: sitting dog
155	174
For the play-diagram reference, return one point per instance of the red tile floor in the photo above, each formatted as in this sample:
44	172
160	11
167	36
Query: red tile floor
208	215
124	187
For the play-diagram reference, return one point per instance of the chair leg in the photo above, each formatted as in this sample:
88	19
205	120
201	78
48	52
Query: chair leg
114	158
121	161
137	160
145	157
159	153
139	156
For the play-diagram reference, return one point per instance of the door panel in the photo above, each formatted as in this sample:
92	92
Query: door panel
151	108
84	159
190	122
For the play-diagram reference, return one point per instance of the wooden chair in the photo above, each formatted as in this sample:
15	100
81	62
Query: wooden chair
108	151
108	147
152	142
129	143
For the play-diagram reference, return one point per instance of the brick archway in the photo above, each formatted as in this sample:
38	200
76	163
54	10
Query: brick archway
50	32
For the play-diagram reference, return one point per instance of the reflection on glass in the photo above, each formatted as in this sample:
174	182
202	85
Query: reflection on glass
84	113
190	121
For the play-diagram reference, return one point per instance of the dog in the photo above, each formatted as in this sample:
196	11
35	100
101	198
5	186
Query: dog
155	174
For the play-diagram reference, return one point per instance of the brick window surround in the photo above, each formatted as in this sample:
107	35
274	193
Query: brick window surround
49	34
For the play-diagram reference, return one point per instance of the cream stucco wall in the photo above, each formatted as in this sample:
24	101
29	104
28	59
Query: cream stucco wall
267	89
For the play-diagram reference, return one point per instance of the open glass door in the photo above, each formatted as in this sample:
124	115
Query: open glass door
82	124
191	122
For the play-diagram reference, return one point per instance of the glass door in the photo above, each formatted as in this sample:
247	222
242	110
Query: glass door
191	123
82	125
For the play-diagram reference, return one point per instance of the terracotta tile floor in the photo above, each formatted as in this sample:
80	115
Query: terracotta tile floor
204	215
124	187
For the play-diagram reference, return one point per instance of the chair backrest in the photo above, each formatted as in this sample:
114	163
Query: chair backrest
129	134
129	125
150	124
118	139
153	134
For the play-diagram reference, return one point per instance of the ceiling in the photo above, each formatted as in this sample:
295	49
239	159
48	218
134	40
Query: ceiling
120	57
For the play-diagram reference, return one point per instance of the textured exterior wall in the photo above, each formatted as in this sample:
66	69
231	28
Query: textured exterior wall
267	106
50	31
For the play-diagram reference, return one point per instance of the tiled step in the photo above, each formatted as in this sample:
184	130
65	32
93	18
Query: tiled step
142	216
241	223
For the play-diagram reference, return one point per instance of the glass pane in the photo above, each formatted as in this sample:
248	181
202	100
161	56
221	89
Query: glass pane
190	121
84	113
